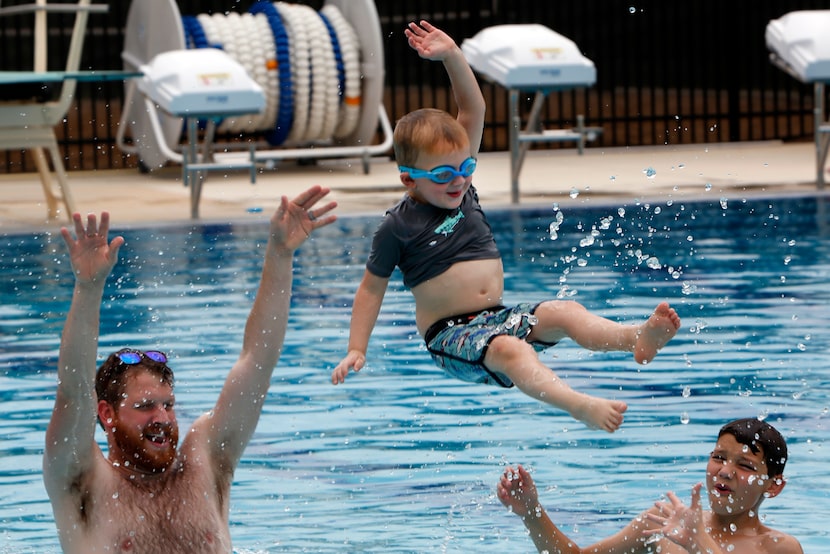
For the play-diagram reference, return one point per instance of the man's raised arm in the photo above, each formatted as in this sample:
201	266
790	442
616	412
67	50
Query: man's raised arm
70	437
240	403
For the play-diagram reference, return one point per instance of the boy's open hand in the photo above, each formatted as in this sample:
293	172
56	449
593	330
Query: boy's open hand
517	491
676	521
430	42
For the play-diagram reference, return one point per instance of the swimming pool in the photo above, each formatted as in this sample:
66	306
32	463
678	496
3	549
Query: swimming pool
403	459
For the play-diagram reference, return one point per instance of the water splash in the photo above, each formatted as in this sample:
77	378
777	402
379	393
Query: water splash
553	230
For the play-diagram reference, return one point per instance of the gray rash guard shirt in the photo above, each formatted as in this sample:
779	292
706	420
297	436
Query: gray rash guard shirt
424	241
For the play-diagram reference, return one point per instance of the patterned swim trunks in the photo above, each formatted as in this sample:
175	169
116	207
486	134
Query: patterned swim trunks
458	344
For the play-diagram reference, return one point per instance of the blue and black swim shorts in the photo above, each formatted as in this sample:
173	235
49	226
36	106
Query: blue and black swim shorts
458	344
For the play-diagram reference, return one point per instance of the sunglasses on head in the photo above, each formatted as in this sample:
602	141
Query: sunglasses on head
442	174
132	357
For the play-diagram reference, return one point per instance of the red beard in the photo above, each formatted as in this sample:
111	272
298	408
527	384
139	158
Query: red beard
148	450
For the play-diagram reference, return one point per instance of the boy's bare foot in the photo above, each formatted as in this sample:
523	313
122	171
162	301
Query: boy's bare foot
600	413
656	332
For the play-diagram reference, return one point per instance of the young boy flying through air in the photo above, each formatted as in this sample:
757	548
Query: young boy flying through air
442	242
745	467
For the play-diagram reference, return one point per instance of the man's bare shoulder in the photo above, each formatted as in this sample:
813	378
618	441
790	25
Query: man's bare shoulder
198	446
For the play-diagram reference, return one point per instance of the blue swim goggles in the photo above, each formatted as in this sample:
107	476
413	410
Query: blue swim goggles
132	357
442	174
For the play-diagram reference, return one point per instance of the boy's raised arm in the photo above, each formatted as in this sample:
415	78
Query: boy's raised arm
432	43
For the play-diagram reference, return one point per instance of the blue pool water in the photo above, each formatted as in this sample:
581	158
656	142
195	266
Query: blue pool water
404	459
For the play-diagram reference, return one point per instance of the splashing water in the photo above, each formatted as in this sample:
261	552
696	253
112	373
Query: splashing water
553	228
403	448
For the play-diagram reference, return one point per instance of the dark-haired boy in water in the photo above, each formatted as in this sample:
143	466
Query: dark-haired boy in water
745	467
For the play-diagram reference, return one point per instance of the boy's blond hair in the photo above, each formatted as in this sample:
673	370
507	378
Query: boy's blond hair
427	130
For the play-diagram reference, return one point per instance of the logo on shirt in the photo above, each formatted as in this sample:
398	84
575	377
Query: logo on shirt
448	226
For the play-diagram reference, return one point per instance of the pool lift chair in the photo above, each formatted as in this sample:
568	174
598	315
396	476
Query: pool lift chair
29	123
800	45
532	58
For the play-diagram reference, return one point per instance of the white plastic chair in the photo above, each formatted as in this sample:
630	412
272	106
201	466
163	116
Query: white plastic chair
29	124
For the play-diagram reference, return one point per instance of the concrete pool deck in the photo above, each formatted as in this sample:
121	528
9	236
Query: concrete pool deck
599	176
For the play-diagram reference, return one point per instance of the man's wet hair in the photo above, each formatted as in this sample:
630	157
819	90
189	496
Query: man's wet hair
760	435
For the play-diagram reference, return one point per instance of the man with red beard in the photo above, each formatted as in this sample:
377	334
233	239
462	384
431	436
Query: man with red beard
148	495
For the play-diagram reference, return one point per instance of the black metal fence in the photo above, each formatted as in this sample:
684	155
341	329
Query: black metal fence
668	72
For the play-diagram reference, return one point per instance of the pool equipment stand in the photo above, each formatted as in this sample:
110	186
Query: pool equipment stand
205	84
156	26
800	46
531	58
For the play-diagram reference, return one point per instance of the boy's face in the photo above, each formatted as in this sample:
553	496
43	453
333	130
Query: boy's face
448	195
736	478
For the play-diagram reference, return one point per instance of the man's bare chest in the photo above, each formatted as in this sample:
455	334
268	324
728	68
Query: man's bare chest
185	513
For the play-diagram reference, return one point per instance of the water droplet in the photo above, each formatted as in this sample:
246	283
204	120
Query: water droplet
553	230
684	418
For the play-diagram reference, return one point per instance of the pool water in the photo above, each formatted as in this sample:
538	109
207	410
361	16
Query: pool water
403	459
